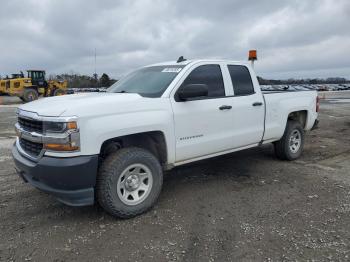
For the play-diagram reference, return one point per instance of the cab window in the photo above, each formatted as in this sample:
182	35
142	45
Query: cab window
241	80
209	75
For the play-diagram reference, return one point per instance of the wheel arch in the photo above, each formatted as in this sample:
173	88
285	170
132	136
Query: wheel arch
300	115
153	141
31	87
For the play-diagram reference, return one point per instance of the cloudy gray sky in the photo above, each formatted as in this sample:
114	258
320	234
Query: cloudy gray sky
295	38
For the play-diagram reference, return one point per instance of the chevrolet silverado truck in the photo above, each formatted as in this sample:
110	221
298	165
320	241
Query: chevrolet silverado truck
112	148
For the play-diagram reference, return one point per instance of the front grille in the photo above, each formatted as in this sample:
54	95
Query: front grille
31	125
31	148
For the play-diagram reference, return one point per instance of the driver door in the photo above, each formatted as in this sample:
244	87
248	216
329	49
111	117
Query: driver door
203	126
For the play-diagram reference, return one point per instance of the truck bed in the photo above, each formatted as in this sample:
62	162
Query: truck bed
279	104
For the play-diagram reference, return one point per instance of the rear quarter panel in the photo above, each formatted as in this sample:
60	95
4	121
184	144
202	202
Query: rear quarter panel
280	104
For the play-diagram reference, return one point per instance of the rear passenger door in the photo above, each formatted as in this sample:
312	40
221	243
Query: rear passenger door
248	109
203	126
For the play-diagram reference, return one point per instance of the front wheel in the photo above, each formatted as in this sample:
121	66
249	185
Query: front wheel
30	94
58	92
291	144
129	182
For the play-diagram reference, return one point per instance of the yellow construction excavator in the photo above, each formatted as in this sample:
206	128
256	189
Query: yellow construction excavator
31	87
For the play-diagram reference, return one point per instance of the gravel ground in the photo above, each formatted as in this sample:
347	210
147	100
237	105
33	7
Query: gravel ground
239	207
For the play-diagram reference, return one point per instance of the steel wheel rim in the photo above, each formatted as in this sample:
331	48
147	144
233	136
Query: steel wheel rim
295	141
134	184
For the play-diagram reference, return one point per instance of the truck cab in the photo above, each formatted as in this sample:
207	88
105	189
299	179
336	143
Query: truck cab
37	77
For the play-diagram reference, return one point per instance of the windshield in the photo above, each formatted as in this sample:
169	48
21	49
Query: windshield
148	81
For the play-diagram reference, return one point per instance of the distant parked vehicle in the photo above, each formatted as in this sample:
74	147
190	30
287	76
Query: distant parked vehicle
301	88
309	87
306	87
342	87
322	88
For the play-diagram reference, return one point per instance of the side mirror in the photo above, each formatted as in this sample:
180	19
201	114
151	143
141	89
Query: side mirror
192	91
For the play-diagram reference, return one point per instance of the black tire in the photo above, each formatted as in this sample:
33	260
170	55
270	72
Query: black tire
112	169
58	92
30	94
283	149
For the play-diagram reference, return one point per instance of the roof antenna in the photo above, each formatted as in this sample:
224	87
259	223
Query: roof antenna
180	59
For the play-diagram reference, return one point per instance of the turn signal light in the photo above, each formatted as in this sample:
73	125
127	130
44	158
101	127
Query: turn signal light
72	125
61	147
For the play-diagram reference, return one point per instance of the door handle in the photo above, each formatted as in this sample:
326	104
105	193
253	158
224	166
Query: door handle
257	104
225	107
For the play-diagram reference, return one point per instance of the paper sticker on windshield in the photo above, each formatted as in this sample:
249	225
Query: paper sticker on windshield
171	69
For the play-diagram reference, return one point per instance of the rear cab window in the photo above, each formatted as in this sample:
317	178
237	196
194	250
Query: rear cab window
241	80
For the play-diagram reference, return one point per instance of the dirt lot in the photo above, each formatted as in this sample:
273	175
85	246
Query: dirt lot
240	207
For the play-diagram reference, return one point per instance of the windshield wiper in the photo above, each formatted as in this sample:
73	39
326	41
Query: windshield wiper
121	91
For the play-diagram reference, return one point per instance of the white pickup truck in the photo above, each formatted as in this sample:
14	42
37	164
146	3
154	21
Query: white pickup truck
112	148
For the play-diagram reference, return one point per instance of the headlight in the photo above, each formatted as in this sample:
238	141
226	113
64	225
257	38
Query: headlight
58	127
61	136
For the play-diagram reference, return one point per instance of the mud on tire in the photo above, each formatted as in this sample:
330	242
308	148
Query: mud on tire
290	146
58	92
30	94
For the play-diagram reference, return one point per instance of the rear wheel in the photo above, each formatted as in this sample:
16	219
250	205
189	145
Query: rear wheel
291	144
129	182
30	94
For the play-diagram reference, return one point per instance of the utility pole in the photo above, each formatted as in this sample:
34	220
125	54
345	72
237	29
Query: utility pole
95	75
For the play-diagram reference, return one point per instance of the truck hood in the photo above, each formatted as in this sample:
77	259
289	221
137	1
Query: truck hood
80	104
